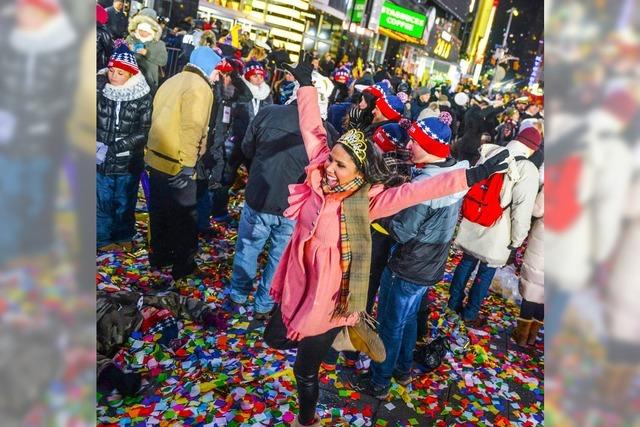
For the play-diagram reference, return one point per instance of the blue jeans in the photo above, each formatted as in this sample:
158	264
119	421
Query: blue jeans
254	230
478	290
398	304
116	204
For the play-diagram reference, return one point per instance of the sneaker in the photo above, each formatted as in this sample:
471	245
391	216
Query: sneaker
362	383
402	379
366	340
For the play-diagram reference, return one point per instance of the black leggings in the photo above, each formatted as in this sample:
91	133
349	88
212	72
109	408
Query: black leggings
531	310
311	351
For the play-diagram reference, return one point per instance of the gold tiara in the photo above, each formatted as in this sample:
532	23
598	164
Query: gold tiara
355	140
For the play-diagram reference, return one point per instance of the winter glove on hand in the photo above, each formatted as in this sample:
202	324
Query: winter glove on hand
182	179
490	166
303	70
101	152
279	57
213	321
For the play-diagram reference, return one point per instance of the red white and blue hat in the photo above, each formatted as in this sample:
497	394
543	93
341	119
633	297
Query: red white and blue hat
342	75
390	136
390	106
124	59
254	68
433	134
380	89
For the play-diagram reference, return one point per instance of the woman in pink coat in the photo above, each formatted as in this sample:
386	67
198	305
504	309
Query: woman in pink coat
321	283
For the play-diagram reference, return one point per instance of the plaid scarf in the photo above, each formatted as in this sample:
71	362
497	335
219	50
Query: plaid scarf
354	227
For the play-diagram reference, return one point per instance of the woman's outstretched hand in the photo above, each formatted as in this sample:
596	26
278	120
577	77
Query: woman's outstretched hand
303	70
497	163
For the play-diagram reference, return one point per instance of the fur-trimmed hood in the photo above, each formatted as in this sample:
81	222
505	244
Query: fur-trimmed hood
135	88
138	19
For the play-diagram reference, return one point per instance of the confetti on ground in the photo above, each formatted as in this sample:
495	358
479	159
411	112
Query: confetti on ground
234	379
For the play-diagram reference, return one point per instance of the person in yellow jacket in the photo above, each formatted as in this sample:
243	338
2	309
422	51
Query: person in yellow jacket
178	135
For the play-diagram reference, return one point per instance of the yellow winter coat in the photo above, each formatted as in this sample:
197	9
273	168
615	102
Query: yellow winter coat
180	122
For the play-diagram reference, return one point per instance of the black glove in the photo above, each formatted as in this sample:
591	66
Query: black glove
303	70
512	255
490	166
279	57
182	179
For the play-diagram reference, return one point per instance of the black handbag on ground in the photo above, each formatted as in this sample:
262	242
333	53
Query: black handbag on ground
432	354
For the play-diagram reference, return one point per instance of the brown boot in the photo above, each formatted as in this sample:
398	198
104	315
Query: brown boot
520	333
366	340
533	332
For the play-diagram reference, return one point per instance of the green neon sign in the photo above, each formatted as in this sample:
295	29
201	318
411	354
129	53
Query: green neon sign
405	21
357	11
393	17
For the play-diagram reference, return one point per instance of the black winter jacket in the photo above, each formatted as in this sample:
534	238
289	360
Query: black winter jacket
118	23
274	145
124	119
424	232
104	46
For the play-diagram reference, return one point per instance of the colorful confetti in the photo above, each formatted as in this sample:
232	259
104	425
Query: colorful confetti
234	379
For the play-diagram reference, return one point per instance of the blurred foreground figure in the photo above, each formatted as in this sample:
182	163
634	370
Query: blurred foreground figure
592	361
36	66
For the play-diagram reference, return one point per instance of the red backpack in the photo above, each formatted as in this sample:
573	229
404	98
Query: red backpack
481	204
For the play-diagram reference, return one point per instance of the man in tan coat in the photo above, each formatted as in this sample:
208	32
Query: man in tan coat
491	246
179	126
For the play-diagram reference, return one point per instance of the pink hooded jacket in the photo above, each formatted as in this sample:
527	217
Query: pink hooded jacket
307	280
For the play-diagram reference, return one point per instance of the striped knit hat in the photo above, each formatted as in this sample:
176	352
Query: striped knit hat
342	75
433	134
254	68
390	136
124	59
390	106
380	89
224	66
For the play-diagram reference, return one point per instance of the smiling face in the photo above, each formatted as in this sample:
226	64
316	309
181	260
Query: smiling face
339	167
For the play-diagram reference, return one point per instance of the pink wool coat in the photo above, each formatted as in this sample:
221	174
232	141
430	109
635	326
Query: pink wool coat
307	279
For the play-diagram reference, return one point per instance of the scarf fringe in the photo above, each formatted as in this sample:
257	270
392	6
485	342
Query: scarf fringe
342	306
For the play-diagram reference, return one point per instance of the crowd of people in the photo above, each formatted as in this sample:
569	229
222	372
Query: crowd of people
359	183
